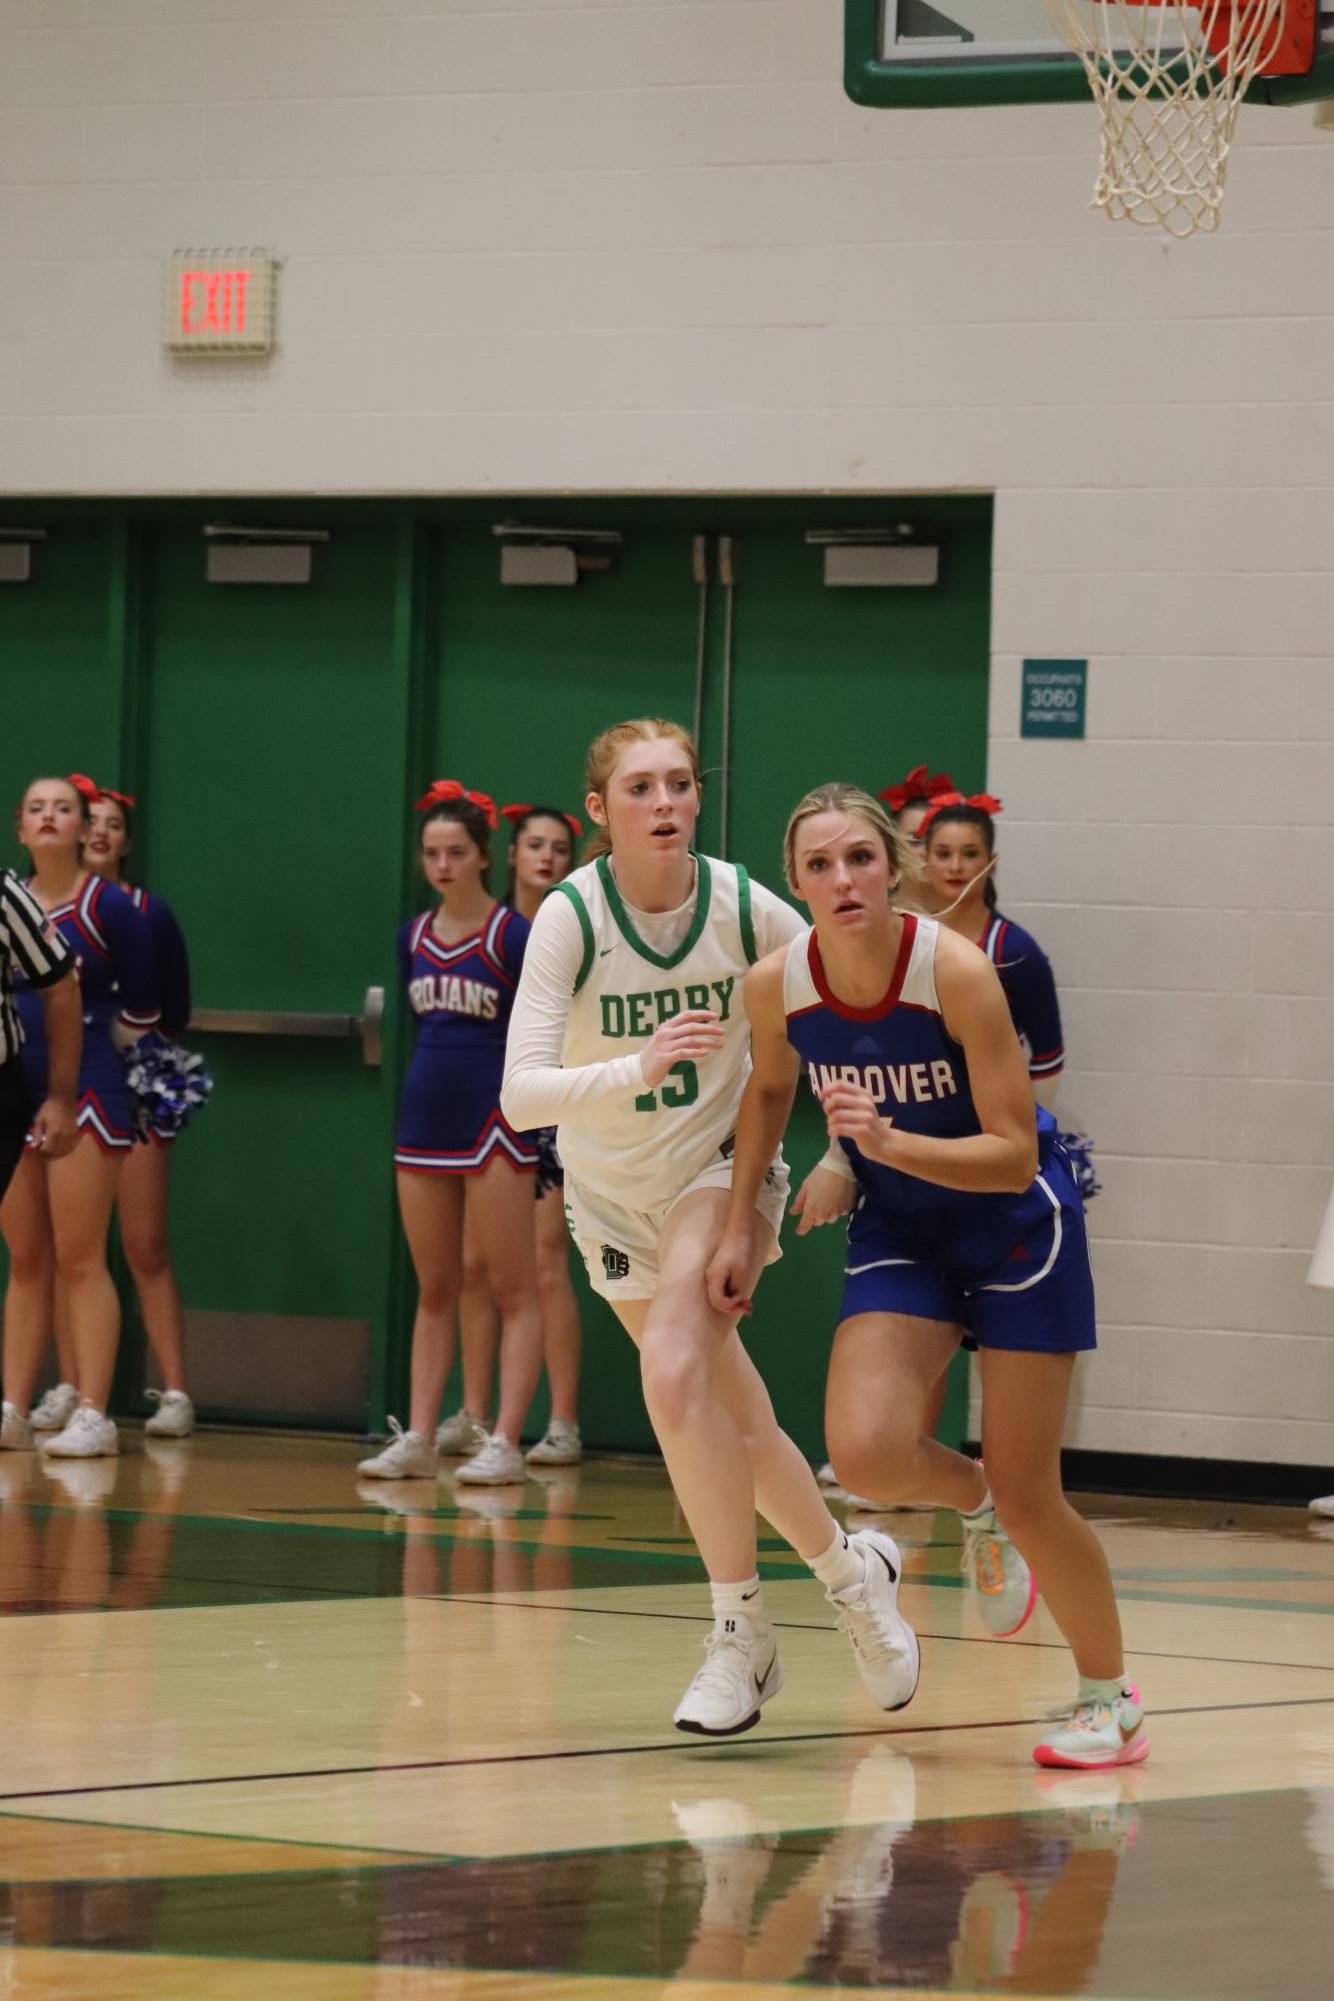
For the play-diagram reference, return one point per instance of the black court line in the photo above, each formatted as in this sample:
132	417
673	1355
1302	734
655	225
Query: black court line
812	1626
621	1751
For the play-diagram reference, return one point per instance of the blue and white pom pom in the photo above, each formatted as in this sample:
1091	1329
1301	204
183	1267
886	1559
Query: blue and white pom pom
1078	1148
169	1083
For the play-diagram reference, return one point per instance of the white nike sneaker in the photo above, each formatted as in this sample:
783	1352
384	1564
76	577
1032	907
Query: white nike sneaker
88	1435
742	1669
562	1445
174	1416
408	1456
1091	1735
460	1436
1004	1584
56	1408
15	1430
497	1464
888	1657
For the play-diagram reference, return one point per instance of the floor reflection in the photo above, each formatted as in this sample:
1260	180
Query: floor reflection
1096	1892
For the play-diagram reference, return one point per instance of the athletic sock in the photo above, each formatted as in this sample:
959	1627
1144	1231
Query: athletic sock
1109	1692
737	1602
840	1566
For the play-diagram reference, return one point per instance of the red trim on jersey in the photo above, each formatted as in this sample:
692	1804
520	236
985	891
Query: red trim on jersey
892	992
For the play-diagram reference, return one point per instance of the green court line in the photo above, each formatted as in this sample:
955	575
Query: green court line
405	1856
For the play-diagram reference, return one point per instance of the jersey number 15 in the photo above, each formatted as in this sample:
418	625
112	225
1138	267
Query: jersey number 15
684	1093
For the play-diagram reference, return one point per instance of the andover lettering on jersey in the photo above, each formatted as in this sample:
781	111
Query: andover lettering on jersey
920	1083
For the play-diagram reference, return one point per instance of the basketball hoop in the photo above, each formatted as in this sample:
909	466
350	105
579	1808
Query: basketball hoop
1169	79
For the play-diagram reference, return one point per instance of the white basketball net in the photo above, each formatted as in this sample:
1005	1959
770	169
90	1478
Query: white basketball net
1168	81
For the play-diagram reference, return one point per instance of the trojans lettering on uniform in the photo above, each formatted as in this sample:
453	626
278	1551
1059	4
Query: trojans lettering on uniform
901	1083
446	993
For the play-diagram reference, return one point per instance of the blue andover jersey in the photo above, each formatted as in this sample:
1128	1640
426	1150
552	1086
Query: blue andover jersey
1012	1269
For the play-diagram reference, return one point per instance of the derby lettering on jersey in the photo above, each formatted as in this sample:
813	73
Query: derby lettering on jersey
446	993
922	1083
638	1015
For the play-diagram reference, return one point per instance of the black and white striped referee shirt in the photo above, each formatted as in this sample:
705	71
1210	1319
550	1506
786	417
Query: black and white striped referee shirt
29	942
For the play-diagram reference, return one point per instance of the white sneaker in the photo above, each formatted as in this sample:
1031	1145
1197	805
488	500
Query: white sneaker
497	1464
1091	1734
408	1456
56	1408
1006	1591
90	1434
1323	1505
741	1671
174	1416
888	1658
562	1445
460	1436
15	1430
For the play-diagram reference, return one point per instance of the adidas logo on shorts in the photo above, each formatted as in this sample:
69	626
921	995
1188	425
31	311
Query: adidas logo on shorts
615	1264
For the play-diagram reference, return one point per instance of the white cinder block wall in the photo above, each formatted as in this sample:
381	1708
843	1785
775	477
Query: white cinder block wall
607	244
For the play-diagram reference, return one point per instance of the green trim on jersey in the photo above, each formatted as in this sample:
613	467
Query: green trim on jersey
664	960
586	926
744	911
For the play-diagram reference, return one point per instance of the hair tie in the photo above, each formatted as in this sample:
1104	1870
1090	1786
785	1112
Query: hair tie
447	791
984	802
517	813
84	786
125	799
916	785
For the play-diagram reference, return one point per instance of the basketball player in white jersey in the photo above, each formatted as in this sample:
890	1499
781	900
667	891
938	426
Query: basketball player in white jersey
628	1035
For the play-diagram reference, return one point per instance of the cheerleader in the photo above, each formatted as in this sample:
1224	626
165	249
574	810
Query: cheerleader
968	1218
56	1213
541	854
627	1034
909	802
959	837
460	963
141	1200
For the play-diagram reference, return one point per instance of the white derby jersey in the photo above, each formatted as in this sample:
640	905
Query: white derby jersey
645	1147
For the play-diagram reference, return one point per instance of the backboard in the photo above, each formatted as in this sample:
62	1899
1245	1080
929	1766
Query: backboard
909	53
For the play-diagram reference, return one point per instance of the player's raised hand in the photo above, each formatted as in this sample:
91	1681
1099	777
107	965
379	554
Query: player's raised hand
851	1113
694	1033
823	1197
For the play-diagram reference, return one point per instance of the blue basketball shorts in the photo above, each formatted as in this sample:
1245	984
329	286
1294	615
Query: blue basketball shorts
1013	1275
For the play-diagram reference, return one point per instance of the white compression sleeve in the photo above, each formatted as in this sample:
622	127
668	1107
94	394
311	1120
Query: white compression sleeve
538	1090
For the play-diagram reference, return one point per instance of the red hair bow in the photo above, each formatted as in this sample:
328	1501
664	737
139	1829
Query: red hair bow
517	813
84	786
445	790
917	786
125	799
985	802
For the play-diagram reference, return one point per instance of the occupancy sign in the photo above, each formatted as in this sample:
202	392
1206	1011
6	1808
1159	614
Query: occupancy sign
1055	698
220	301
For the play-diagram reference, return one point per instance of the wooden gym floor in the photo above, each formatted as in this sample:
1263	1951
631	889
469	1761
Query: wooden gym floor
271	1733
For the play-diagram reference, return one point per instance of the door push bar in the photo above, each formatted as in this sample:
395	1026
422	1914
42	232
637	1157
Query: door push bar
366	1027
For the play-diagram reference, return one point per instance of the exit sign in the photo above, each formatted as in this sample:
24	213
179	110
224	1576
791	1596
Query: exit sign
220	301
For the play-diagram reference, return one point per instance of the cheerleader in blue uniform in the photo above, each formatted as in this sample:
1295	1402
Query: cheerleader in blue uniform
460	965
541	854
960	851
142	1199
967	1220
56	1213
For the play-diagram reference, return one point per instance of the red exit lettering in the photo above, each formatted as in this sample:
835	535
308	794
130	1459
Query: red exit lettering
214	302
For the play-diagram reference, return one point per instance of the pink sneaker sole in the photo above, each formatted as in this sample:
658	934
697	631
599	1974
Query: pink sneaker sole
1133	1753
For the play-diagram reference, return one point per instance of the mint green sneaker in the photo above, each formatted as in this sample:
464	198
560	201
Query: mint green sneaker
1093	1734
1004	1584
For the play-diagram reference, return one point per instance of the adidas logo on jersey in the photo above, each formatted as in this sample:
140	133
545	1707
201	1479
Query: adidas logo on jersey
615	1264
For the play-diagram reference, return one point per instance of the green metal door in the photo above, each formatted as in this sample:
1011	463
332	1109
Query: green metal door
274	774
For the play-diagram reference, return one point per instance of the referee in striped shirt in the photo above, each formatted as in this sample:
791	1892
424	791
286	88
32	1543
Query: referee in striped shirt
37	950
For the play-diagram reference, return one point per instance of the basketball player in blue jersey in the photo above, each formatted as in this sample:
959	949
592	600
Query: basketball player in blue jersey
56	1213
960	847
967	1221
460	965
